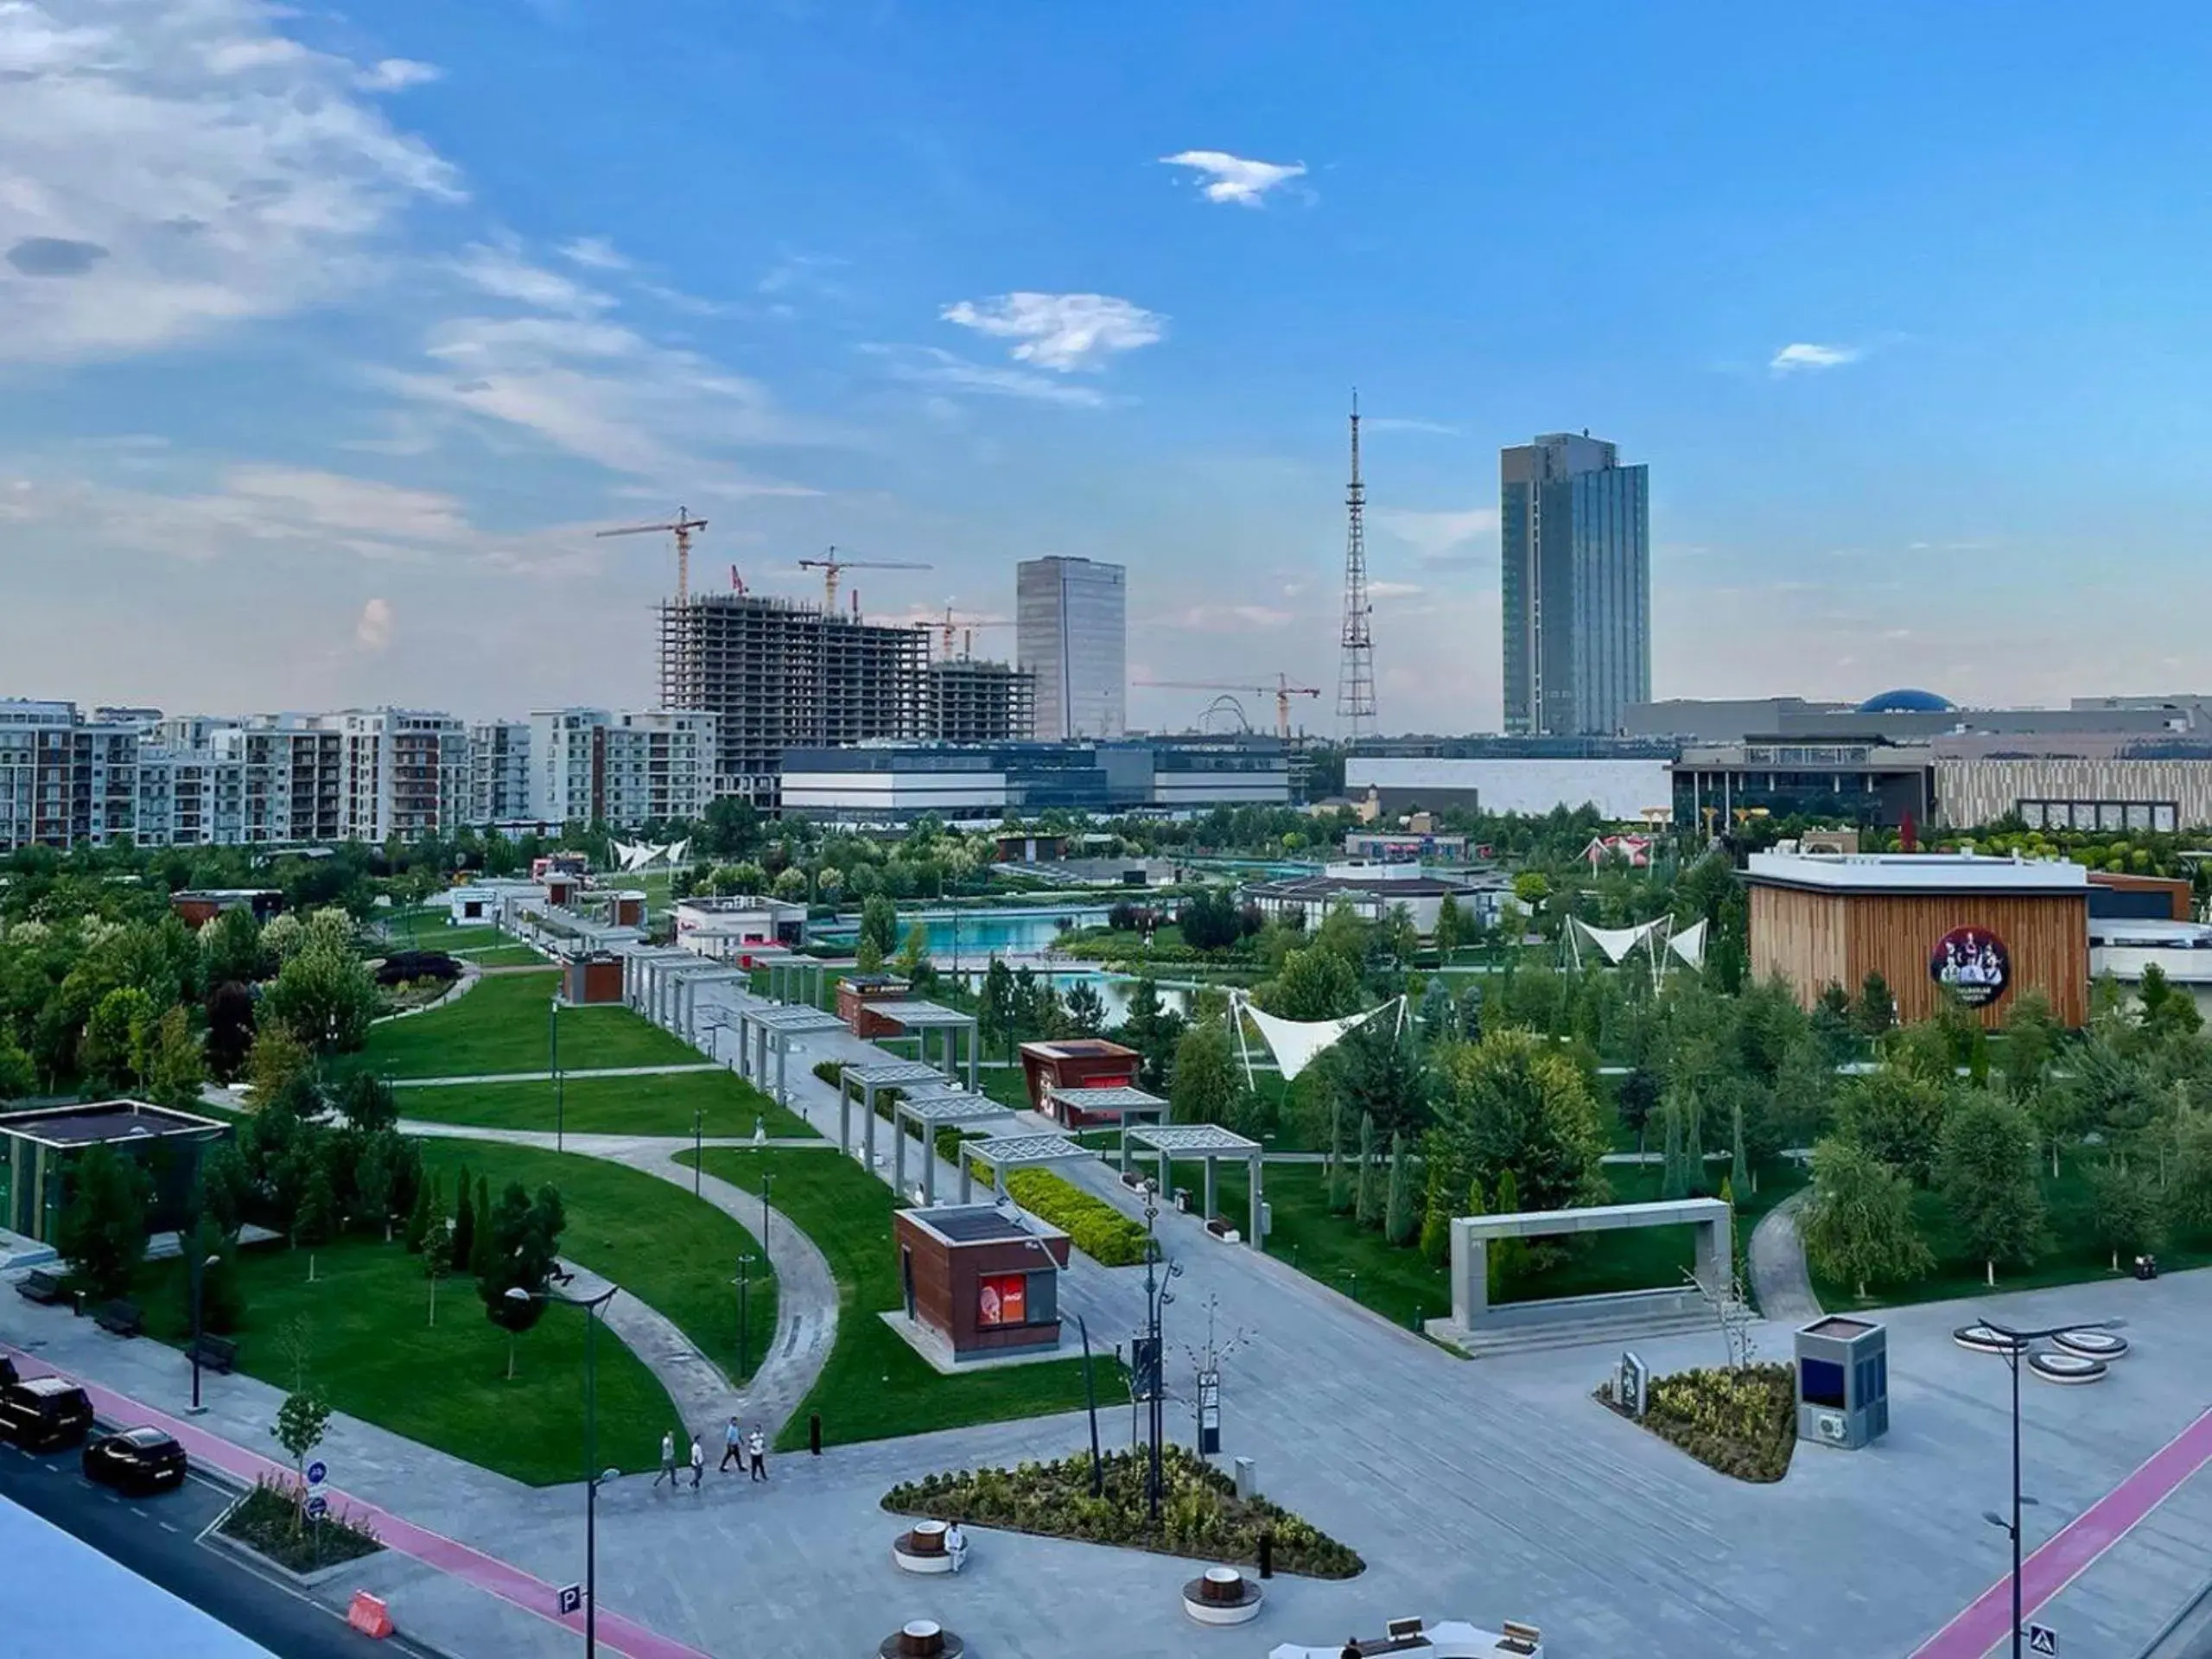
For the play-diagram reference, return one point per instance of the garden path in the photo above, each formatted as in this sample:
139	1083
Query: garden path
1779	1280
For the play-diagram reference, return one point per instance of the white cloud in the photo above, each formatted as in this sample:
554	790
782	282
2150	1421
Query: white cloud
1804	355
594	253
1394	590
397	75
171	169
505	275
1233	178
372	631
1063	331
1206	618
1440	537
1404	423
931	365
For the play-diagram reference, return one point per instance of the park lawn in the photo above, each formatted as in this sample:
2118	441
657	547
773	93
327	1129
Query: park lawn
504	955
653	1104
500	1026
873	1386
673	1252
2068	1256
437	935
376	1357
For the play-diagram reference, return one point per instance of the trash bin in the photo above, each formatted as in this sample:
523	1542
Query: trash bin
1183	1199
1248	1480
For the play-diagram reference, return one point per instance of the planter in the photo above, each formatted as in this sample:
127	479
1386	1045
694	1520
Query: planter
2091	1344
2069	1369
1981	1339
921	1549
1222	1595
921	1638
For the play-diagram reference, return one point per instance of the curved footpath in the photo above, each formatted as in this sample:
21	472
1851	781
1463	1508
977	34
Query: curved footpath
1779	1280
806	1291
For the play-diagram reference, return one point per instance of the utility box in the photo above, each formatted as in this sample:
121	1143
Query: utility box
1843	1383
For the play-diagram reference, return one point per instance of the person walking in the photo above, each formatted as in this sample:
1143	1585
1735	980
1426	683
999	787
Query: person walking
758	1446
667	1460
733	1448
698	1462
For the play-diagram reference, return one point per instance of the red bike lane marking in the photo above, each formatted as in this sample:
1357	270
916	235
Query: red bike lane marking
1987	1620
487	1572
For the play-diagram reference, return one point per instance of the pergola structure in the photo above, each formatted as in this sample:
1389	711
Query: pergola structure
867	1077
1006	1152
1121	1099
761	1026
917	1019
792	977
645	978
684	983
938	1110
1207	1143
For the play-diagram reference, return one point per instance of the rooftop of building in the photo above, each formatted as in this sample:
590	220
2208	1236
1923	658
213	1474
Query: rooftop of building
979	1223
109	1123
1916	873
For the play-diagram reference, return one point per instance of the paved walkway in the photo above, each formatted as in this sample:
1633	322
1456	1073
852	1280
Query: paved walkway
565	1071
1780	1282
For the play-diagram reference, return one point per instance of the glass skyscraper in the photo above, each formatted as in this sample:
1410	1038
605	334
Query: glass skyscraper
1574	528
1071	631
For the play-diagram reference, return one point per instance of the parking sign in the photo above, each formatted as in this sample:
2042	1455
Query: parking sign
571	1599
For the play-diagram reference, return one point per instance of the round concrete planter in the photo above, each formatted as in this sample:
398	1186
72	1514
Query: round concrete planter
2091	1344
1222	1595
2067	1368
921	1638
1981	1339
922	1548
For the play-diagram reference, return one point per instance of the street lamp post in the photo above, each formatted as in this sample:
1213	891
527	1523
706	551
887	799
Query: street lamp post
553	1043
1157	1296
198	1290
744	1327
698	1144
766	1181
595	1477
2015	1350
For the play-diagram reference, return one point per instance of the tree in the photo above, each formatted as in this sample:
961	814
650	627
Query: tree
174	1072
487	1245
376	1175
880	922
2189	1178
301	1421
868	955
2032	1039
229	1029
995	1012
1086	1009
464	1222
437	1259
420	1218
914	952
1339	1182
1638	1095
1209	922
1398	1219
1877	1009
111	1048
1738	1170
1206	1087
522	1251
1381	1074
1447	929
1509	1257
1436	1010
18	1076
1899	1120
1987	1172
225	1188
276	1061
103	1231
2124	1217
316	1222
221	1299
1437	1214
1674	1168
1858	1226
791	885
1152	1031
1368	1208
368	1103
230	951
1316	983
1514	1103
325	995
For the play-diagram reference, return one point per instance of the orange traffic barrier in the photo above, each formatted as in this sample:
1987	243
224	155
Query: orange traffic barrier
369	1615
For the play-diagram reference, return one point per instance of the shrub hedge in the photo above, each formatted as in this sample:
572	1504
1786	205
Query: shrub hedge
1742	1422
1099	1230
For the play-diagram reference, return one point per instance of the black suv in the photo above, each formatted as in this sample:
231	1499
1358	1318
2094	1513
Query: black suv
44	1412
136	1460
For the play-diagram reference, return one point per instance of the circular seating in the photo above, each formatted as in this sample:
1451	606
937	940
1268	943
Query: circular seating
921	1549
1222	1595
2067	1368
921	1638
1983	1340
2091	1344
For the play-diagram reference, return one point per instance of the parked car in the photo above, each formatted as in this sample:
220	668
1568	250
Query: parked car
136	1460
44	1412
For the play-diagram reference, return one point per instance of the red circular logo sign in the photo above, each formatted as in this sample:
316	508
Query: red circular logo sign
1973	963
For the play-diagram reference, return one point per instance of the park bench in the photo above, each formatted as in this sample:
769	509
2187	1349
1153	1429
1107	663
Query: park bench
1517	1637
215	1353
1222	1230
41	1286
124	1319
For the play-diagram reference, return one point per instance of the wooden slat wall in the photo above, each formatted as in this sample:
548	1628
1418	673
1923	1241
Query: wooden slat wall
1815	939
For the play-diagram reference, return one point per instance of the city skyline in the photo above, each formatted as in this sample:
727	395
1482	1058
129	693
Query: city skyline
318	388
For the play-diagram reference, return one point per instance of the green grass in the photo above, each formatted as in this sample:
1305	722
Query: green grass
500	1027
673	1253
436	936
376	1357
2068	1256
504	955
874	1386
660	1103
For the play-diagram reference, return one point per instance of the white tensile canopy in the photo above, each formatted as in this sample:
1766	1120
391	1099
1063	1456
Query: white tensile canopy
1617	942
1296	1044
1689	943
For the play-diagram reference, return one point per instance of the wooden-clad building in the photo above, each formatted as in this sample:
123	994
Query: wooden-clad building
1987	929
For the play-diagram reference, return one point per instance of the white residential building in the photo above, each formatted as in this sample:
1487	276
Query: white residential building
620	768
498	772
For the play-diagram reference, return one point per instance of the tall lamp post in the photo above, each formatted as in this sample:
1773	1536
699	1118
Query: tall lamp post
1157	1296
553	1045
2015	1350
698	1144
595	1477
766	1181
198	1290
744	1325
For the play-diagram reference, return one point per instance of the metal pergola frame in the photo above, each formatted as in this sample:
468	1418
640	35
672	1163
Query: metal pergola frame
916	1019
774	1025
867	1077
793	976
686	982
1207	1142
1002	1153
643	974
1121	1098
930	1113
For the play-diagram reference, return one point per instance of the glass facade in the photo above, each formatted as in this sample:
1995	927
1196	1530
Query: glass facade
1071	631
1575	585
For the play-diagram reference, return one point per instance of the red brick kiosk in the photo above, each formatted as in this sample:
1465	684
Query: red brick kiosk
983	1281
1077	1062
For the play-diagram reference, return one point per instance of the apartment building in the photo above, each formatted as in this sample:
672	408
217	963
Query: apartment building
621	768
65	779
498	772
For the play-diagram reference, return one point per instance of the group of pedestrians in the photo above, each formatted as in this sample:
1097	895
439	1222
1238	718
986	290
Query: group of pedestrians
749	1452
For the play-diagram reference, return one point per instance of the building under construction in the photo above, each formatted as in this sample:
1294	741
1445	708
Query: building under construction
971	702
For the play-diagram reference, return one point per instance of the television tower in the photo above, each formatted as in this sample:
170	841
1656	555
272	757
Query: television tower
1356	669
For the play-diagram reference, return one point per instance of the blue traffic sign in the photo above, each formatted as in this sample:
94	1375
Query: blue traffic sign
318	1506
318	1471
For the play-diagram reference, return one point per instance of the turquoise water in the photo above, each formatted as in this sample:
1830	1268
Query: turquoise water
984	933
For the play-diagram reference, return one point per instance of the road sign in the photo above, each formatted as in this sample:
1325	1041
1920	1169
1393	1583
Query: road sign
1144	1367
318	1506
318	1471
1209	1412
2041	1639
571	1599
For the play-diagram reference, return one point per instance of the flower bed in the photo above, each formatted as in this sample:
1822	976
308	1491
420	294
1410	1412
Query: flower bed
1200	1514
1098	1230
269	1521
1741	1422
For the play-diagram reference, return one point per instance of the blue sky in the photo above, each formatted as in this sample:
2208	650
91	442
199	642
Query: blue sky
326	338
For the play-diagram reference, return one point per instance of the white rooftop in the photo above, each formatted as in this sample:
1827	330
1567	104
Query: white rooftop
1917	873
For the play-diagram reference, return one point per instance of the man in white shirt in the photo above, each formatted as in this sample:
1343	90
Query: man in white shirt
667	1460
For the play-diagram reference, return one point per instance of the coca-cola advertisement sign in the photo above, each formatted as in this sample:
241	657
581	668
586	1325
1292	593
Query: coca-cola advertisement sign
1973	964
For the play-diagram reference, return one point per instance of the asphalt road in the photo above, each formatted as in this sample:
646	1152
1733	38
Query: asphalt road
158	1539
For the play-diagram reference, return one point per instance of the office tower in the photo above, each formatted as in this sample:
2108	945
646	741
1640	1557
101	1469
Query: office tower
777	675
1575	534
1071	632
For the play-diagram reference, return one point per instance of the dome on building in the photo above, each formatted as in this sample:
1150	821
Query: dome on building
1905	700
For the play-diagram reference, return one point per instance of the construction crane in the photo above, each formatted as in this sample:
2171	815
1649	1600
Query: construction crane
831	566
682	526
967	625
1282	692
